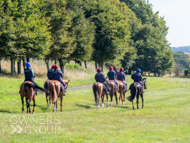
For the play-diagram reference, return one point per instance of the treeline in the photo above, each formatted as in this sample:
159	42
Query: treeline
110	32
185	49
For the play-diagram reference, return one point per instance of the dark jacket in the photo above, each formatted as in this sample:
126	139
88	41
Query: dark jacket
28	72
121	76
50	74
116	71
100	77
111	75
57	75
137	77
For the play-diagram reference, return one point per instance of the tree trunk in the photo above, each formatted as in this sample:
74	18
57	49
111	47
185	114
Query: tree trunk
129	71
47	64
23	59
28	59
55	61
148	73
61	64
19	66
96	65
12	67
154	74
85	64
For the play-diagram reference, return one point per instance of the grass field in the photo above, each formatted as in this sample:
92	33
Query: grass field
165	117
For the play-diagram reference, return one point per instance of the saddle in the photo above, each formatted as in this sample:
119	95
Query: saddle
138	84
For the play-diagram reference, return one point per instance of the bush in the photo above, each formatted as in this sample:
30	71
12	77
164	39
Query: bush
75	67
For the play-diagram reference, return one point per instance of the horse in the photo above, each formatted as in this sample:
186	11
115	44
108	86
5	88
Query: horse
113	91
121	92
98	90
27	91
48	95
135	89
55	91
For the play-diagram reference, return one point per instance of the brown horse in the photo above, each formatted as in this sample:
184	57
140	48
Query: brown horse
121	92
27	91
135	89
98	89
46	87
55	91
113	91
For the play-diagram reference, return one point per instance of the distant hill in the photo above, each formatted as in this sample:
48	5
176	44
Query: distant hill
185	49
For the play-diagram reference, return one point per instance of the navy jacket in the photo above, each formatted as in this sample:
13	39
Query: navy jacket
111	75
116	71
50	74
28	72
137	77
121	76
100	77
57	75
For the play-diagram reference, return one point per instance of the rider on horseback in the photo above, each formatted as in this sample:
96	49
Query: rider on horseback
29	76
50	73
115	69
121	77
100	77
58	75
112	76
137	77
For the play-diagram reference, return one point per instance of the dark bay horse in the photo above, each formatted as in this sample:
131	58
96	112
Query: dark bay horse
135	89
46	84
113	91
121	92
27	91
55	91
98	90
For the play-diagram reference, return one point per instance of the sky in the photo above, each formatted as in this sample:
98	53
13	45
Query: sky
177	16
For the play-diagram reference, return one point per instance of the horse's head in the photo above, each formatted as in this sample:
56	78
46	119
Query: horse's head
66	83
144	83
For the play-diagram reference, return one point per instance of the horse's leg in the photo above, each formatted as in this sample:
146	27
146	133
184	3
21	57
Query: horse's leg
56	105
138	100
142	100
123	99
27	105
98	105
107	100
22	99
116	99
61	99
54	108
111	96
47	99
102	96
34	104
120	97
133	105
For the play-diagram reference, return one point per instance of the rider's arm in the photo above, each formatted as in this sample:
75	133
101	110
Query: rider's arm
32	73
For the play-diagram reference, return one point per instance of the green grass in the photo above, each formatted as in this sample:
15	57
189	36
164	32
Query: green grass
165	117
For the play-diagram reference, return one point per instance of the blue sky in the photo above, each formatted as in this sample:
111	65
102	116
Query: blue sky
177	16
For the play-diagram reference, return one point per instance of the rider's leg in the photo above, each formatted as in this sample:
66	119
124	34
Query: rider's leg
125	86
116	84
63	87
38	87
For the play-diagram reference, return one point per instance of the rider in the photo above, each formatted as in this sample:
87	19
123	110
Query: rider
100	77
137	77
121	77
112	76
29	76
50	73
115	69
58	75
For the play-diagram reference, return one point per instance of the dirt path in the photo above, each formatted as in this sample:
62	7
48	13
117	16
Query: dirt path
79	87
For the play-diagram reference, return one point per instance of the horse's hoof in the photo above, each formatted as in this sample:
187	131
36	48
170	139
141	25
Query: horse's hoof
102	105
97	107
107	105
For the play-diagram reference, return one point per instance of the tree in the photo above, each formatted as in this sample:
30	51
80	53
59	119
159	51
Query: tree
181	58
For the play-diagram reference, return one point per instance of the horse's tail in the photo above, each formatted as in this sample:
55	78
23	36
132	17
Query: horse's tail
95	91
133	90
52	91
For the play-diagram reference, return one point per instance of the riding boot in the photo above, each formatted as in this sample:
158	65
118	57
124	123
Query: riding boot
116	84
36	92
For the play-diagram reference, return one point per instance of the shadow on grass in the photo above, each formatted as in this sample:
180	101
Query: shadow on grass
43	108
7	111
83	106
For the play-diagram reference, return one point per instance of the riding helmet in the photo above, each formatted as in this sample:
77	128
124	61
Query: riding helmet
121	69
115	68
55	66
27	64
99	69
138	70
111	68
